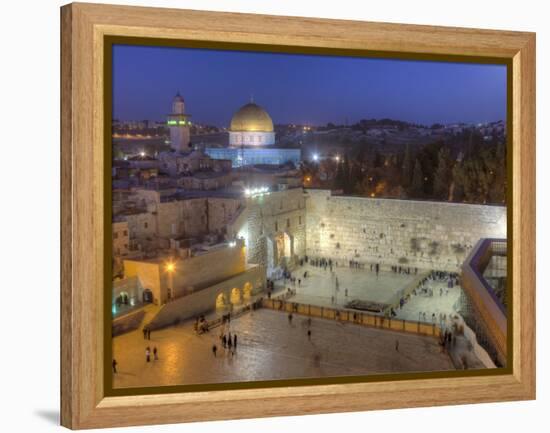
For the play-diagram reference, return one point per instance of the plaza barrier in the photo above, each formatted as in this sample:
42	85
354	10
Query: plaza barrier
407	291
283	304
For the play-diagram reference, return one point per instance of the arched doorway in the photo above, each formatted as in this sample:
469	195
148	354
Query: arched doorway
147	296
247	290
287	245
123	298
221	302
235	296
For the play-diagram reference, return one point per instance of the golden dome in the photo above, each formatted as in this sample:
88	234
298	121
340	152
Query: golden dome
251	118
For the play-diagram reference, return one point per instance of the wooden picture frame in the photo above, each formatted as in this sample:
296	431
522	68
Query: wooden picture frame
84	29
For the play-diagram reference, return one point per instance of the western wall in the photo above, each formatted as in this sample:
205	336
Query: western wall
408	233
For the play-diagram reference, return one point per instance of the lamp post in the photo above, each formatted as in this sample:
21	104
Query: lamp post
170	267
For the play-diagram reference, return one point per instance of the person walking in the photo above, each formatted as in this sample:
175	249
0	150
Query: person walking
235	341
309	334
144	333
224	341
148	354
214	350
155	354
397	345
114	365
148	333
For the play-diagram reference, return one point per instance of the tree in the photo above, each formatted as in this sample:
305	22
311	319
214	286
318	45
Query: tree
442	175
417	185
348	186
340	179
407	168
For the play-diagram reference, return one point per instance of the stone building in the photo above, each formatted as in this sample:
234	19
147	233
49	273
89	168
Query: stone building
212	276
252	140
178	122
273	226
121	238
251	126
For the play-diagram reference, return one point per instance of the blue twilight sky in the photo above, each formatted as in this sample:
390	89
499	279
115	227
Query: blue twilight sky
302	88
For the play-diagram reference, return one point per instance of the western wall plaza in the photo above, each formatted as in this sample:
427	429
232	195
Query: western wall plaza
237	260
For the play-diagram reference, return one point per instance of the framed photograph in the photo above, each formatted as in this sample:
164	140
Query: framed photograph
266	215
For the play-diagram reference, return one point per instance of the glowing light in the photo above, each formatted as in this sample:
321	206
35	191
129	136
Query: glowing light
170	267
142	154
232	244
251	192
315	157
337	158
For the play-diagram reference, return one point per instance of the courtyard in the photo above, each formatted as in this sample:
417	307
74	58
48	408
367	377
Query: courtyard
320	285
269	347
386	287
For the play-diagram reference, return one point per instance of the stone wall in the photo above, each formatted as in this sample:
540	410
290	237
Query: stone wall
204	300
268	216
190	274
423	234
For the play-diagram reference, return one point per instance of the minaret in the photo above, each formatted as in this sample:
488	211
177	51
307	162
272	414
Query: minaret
179	124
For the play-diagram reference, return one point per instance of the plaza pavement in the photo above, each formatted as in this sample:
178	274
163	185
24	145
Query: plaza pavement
269	347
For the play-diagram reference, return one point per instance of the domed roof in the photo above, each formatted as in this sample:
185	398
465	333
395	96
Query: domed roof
251	118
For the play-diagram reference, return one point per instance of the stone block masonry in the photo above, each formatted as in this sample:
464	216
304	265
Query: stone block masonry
408	233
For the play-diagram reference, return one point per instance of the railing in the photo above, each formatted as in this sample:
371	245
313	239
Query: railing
282	303
359	318
218	321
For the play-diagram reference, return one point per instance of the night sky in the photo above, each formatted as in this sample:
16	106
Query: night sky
303	89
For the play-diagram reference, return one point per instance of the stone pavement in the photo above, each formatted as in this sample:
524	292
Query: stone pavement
319	286
269	347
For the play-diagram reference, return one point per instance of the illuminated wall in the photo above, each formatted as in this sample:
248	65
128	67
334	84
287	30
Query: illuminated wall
421	234
247	156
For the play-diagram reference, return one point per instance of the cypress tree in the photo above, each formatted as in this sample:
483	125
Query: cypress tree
442	175
417	184
407	168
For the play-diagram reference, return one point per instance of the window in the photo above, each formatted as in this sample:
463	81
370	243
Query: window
145	225
288	222
300	220
115	235
125	232
276	226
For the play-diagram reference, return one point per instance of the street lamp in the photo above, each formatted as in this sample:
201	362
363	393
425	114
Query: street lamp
170	267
